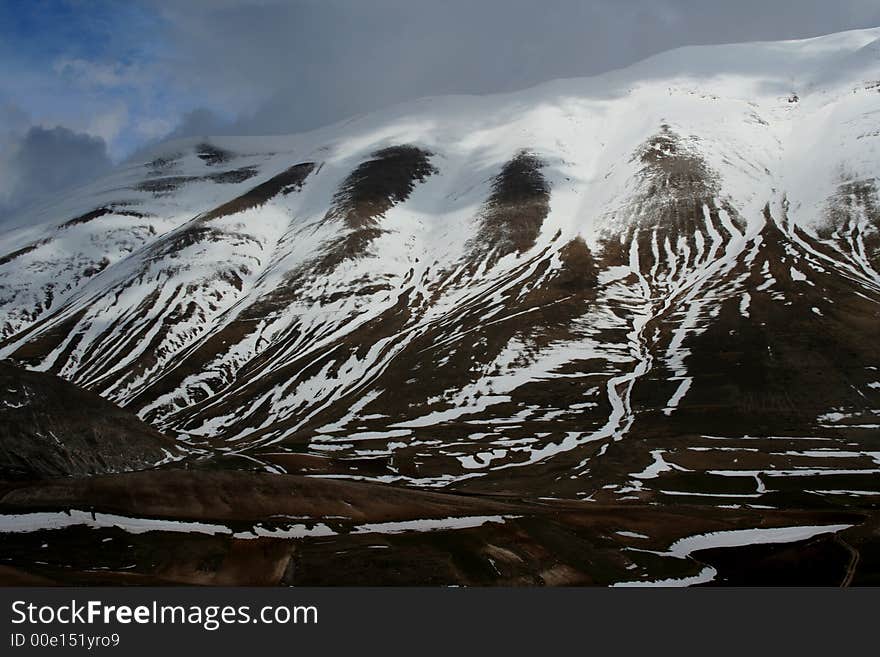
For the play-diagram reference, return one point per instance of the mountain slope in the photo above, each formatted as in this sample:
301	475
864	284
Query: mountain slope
656	284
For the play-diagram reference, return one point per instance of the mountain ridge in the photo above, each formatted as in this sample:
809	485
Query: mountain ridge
592	332
241	298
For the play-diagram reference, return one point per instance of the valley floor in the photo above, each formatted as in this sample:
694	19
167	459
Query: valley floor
191	527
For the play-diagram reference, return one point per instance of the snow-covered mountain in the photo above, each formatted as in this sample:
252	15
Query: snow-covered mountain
658	283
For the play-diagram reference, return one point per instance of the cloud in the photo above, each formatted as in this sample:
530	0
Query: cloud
276	66
13	122
298	64
97	74
109	124
45	161
153	128
143	71
200	122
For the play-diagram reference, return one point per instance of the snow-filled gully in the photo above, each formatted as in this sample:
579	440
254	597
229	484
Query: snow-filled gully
685	548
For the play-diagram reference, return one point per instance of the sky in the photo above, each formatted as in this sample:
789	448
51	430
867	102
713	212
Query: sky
85	84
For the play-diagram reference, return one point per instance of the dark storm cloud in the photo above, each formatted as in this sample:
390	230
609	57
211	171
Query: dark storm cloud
46	161
287	66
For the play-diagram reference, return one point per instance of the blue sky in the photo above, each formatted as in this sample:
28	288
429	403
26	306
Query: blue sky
94	67
103	78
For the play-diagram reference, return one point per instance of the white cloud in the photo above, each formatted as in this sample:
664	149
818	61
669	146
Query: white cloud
97	74
153	128
108	125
